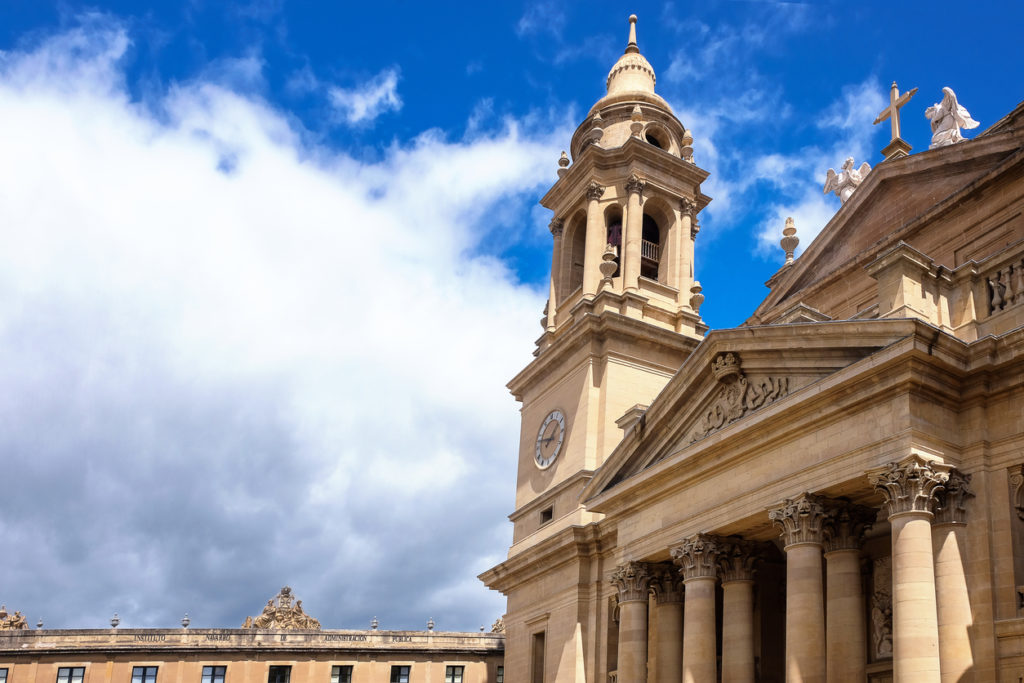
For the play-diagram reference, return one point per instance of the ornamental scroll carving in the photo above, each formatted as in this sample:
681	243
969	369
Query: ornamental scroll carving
283	615
738	395
11	622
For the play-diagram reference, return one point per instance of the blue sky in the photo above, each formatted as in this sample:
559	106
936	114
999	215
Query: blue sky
267	267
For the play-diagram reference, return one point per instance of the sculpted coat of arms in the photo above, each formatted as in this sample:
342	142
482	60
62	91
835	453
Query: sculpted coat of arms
280	613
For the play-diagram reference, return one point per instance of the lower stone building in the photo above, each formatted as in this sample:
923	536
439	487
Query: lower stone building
282	645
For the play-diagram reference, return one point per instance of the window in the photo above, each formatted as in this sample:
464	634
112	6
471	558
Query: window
453	674
3	675
279	674
341	674
70	674
546	515
214	674
500	677
399	674
143	674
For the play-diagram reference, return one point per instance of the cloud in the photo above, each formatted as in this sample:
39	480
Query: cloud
234	359
542	16
368	100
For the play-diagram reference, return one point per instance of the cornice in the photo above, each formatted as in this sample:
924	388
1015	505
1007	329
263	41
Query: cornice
564	547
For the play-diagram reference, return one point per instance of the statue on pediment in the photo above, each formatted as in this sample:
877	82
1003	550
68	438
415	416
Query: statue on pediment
279	613
947	118
12	622
847	180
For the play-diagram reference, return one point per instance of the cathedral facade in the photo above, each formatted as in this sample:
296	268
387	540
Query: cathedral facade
833	491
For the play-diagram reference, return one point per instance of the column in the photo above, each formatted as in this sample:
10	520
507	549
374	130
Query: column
845	628
909	487
597	237
698	557
800	520
687	234
736	570
634	234
953	604
667	586
633	581
557	226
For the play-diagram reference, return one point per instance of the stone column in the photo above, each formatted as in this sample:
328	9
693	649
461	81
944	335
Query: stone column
909	487
597	237
687	233
557	227
845	628
800	520
953	604
633	581
736	570
667	586
698	556
633	233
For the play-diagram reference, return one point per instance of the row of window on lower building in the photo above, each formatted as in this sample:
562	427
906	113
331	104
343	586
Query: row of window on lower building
278	674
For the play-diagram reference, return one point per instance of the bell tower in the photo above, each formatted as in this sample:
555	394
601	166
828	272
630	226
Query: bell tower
623	311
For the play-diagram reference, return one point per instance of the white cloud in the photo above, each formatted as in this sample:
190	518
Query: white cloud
368	100
234	360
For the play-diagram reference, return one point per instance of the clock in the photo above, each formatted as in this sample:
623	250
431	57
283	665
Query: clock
549	439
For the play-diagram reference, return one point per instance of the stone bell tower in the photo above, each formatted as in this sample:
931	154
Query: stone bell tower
623	311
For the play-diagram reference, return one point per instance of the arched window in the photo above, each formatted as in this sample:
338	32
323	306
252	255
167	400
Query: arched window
653	139
650	248
577	244
613	227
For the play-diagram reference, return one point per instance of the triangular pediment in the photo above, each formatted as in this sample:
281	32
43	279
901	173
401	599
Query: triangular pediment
897	199
731	377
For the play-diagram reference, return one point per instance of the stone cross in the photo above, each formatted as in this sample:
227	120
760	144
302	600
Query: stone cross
898	147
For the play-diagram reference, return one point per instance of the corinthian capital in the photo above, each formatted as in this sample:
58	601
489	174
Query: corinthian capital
666	583
688	206
845	524
909	485
951	502
698	557
736	560
633	580
635	184
594	191
556	226
800	519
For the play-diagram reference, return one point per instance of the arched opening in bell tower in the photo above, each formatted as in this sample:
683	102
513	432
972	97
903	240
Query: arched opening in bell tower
577	243
613	229
650	248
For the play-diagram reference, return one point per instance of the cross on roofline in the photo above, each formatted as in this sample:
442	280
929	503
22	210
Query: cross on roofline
897	147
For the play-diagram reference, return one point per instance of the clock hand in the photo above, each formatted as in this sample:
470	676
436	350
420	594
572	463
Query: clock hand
548	440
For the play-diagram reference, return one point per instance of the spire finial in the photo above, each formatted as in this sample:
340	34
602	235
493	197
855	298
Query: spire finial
631	46
789	240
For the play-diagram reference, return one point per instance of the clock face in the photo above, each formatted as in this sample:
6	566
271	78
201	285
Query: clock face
549	439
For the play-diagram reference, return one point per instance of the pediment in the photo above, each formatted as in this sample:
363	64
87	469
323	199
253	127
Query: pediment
897	198
731	377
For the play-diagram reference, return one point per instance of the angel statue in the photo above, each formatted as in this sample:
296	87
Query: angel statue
947	118
847	180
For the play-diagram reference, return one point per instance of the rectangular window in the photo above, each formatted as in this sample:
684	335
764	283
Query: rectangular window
3	675
279	674
214	674
143	674
341	674
453	674
399	674
500	677
538	658
70	674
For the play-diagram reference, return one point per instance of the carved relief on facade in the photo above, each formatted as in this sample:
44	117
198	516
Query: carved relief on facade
881	609
11	622
280	613
738	395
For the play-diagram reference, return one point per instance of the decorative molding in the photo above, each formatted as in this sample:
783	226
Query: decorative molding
800	519
694	229
594	191
557	226
666	583
698	557
845	524
909	485
635	184
736	560
283	615
688	207
633	581
738	396
1017	483
951	501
